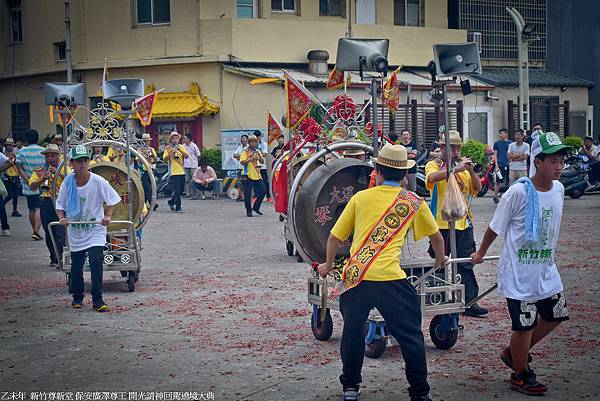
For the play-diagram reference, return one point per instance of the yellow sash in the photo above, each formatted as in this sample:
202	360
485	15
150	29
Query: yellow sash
391	222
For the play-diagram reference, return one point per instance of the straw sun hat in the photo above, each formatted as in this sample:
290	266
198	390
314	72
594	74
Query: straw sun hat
394	156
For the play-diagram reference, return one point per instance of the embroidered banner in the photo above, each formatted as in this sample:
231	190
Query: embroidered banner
143	108
391	92
298	102
336	79
274	130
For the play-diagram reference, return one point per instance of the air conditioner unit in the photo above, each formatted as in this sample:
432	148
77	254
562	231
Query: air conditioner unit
475	37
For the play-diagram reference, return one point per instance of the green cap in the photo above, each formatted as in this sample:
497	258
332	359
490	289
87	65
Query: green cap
551	143
80	151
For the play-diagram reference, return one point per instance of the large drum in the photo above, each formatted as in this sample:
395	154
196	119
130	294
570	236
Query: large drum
321	200
116	175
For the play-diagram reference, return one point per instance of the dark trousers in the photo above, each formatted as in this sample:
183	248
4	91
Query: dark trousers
48	215
199	187
3	218
147	187
594	173
12	187
265	180
178	184
465	246
77	260
259	192
399	304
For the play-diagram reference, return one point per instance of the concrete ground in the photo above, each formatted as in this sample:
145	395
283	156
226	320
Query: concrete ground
220	308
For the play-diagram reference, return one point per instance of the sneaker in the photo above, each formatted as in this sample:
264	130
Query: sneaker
36	237
16	214
239	200
5	233
526	383
249	214
53	264
179	210
76	304
506	357
155	207
351	393
258	212
476	311
171	205
101	307
203	197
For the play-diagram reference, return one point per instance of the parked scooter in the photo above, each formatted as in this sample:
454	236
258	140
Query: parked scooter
161	175
574	176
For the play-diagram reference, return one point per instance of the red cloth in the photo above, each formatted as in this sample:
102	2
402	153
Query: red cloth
280	188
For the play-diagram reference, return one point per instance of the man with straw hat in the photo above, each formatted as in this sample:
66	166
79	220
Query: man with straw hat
44	181
379	218
251	159
150	154
11	178
470	185
174	154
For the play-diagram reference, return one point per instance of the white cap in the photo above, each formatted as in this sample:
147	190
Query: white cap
536	149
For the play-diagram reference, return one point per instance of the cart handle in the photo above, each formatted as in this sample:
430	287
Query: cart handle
466	260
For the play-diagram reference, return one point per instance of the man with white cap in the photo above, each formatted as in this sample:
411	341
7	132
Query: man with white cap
470	184
378	218
44	181
174	155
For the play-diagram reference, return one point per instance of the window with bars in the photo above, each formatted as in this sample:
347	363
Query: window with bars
498	31
20	118
407	12
246	8
14	21
153	12
332	8
283	6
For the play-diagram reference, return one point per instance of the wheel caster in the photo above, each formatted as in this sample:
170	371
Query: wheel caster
289	246
299	258
443	331
322	330
375	347
131	281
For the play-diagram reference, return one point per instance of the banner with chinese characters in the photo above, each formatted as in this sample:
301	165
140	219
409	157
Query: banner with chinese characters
336	79
391	92
274	130
298	101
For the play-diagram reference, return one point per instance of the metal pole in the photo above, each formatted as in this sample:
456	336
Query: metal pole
349	33
374	84
68	42
449	168
523	68
128	122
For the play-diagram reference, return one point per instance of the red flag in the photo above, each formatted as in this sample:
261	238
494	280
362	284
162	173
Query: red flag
143	108
274	130
391	92
298	101
336	79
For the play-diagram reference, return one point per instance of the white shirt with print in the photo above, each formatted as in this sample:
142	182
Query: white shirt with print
92	197
526	270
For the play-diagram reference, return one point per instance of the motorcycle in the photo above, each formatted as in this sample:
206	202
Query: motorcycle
161	175
574	176
488	179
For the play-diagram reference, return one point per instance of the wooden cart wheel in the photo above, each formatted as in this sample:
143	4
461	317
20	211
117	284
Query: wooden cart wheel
442	338
323	330
289	246
131	282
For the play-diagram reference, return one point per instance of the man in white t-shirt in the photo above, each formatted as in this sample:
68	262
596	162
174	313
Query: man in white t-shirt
518	154
81	199
528	217
190	164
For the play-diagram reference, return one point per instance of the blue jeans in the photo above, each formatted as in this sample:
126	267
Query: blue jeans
96	260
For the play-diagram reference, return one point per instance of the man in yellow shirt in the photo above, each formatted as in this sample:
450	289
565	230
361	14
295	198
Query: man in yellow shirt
174	154
251	158
11	178
470	184
115	154
379	218
44	180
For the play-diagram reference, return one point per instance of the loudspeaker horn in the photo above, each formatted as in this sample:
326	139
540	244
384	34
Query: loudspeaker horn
362	54
456	58
64	94
123	91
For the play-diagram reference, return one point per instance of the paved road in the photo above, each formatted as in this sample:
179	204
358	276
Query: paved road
220	308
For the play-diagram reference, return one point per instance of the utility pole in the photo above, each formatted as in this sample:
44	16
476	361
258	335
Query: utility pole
68	41
523	66
349	32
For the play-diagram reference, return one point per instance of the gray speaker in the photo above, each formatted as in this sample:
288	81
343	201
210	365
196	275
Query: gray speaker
362	54
123	91
456	59
64	94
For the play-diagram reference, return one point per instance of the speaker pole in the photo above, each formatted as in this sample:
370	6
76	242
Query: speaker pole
449	167
374	83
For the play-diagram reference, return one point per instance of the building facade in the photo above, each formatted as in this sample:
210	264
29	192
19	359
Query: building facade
183	46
